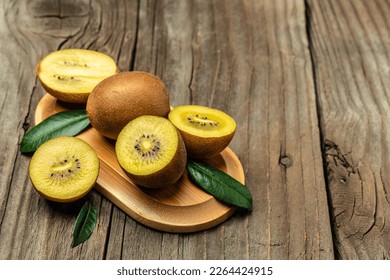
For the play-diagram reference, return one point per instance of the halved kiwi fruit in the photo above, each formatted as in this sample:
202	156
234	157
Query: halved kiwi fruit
71	74
151	152
123	97
64	169
206	131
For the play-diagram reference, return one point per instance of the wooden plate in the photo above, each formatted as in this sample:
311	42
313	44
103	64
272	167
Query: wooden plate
182	207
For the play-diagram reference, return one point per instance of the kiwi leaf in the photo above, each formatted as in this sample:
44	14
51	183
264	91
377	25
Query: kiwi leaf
67	123
219	184
85	224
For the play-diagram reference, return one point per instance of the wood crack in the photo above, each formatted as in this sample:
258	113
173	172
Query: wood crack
57	16
135	41
6	200
26	123
320	115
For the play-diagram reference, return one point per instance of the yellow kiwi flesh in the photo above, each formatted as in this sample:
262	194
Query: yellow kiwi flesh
206	131
71	74
64	169
123	97
151	152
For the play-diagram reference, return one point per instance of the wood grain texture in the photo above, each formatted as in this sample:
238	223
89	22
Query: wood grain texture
293	220
248	58
350	41
31	228
240	57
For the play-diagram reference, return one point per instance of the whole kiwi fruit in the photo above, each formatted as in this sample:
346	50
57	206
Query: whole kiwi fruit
151	152
118	99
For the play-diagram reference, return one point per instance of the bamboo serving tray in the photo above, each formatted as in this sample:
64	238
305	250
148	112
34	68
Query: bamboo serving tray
182	207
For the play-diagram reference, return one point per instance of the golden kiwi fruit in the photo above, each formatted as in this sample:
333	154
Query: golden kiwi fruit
151	152
71	74
64	169
118	99
206	131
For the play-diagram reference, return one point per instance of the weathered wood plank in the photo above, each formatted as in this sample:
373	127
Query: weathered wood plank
248	58
350	42
294	219
31	228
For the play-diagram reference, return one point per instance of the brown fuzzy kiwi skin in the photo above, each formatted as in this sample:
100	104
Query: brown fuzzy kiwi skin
167	176
65	200
203	147
118	99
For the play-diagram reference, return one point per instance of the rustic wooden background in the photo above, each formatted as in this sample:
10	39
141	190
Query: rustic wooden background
307	82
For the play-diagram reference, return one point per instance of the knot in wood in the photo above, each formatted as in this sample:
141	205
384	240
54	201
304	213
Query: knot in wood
286	160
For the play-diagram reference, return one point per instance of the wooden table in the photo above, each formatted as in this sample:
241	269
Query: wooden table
307	82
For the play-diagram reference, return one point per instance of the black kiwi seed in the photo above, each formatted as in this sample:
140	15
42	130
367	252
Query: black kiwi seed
67	173
200	122
153	152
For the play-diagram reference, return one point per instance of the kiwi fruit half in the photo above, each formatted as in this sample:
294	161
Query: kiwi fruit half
151	152
123	97
71	74
64	169
206	131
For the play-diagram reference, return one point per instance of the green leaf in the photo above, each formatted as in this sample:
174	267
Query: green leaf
219	184
85	224
67	123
